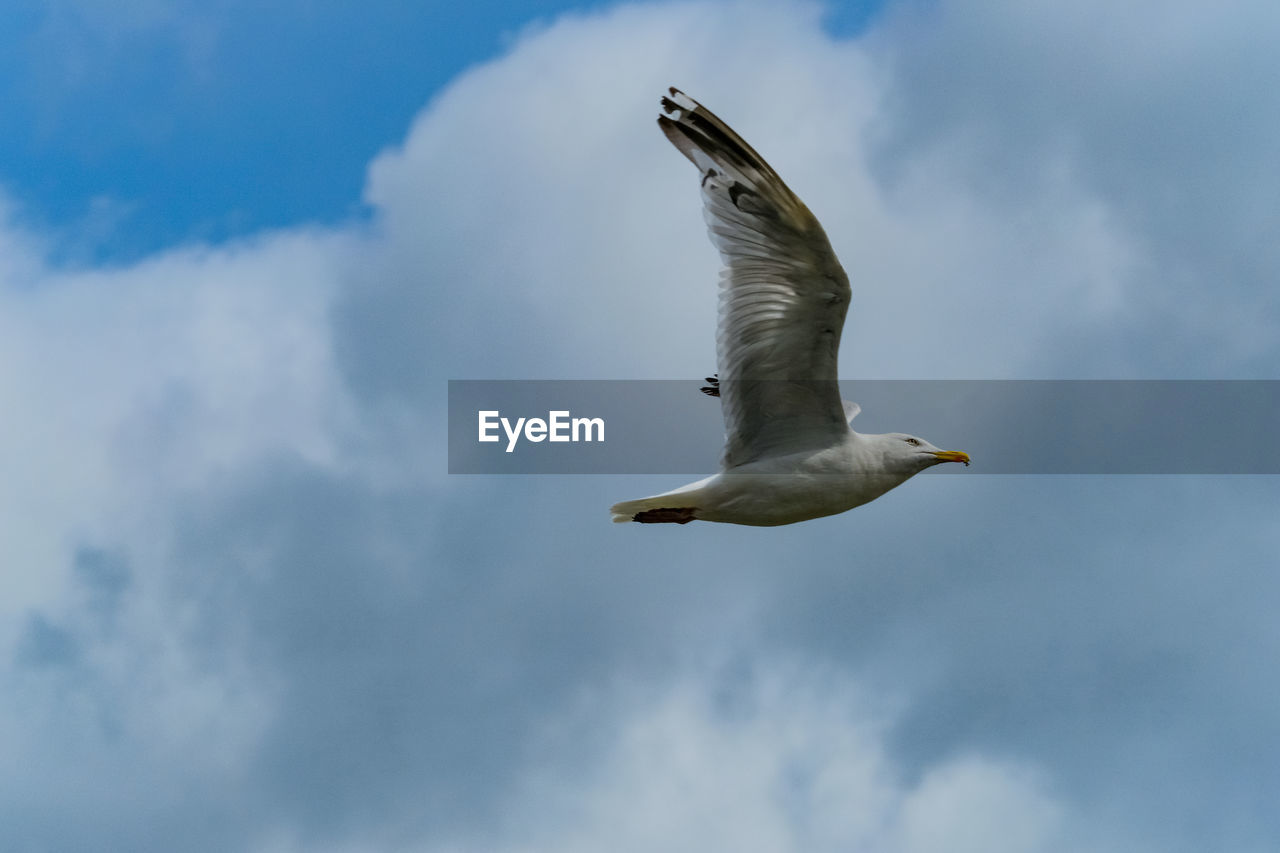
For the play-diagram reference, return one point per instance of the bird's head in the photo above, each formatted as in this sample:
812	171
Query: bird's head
909	455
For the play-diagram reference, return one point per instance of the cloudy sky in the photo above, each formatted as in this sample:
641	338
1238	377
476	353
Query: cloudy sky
243	607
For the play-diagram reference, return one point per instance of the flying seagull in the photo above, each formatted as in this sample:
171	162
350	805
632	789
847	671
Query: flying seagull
790	453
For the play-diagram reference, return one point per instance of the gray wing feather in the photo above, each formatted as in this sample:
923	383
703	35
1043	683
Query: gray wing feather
783	295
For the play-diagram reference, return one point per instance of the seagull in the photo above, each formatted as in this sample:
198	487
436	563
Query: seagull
790	452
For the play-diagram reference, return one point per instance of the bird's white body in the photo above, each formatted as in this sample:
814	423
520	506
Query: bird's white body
795	487
790	454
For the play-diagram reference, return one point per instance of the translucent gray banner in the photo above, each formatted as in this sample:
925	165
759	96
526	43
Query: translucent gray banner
1006	426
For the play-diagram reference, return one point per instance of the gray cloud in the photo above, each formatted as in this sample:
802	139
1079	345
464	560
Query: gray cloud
44	644
1165	114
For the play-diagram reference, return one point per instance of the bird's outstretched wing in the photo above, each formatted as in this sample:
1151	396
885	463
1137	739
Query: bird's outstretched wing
783	295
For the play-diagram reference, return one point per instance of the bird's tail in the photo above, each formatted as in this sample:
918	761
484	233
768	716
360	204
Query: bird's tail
676	507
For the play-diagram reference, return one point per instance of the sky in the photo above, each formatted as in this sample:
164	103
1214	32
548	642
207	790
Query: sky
244	606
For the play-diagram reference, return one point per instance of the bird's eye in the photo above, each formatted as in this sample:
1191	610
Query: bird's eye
914	441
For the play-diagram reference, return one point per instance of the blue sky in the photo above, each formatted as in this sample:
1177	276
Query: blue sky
138	126
244	607
208	121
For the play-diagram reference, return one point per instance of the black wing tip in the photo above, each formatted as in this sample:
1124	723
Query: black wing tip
670	105
669	108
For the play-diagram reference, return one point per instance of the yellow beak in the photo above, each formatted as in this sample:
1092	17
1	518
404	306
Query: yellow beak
952	456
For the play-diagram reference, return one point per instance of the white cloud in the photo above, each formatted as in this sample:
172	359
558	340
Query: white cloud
580	213
128	391
129	387
794	761
979	805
